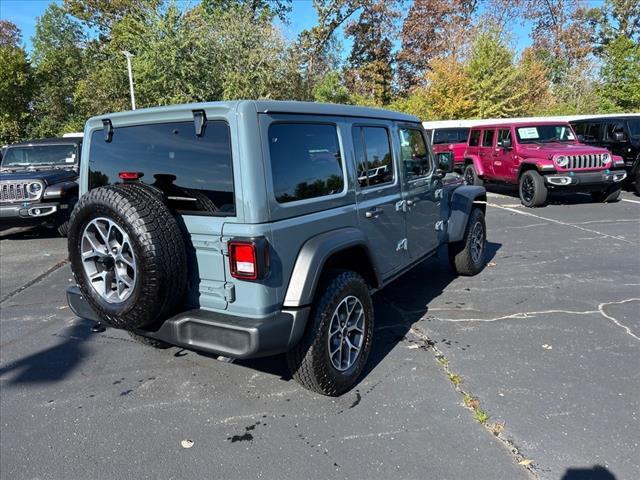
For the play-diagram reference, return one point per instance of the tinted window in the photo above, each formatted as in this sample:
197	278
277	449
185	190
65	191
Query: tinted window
305	161
595	131
503	134
450	135
373	155
474	138
634	127
40	155
579	128
611	129
487	138
194	172
414	153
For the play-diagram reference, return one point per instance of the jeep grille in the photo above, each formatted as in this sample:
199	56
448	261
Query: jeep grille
19	191
585	161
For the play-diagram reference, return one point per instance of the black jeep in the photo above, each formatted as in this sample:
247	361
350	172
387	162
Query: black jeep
619	134
38	184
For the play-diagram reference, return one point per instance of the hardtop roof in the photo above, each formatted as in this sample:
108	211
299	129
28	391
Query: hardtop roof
48	141
520	124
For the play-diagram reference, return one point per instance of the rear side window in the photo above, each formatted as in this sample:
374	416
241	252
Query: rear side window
450	135
305	161
474	138
195	173
373	156
487	138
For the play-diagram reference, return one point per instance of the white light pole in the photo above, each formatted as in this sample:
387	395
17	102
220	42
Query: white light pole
133	97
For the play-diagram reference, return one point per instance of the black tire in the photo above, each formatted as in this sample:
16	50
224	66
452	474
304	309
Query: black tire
610	195
637	180
309	361
150	342
532	190
157	245
471	176
464	257
63	228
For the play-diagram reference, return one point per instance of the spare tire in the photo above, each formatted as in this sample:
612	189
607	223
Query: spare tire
127	255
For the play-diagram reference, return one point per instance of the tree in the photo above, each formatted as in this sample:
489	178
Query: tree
58	66
370	73
432	29
620	74
533	82
332	89
259	9
104	14
15	85
493	78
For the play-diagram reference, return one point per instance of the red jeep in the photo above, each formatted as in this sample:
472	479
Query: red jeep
539	157
453	139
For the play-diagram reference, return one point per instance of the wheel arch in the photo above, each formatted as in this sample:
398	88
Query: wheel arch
475	161
345	248
463	200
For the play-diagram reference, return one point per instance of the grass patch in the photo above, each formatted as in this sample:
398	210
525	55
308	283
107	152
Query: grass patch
480	416
455	379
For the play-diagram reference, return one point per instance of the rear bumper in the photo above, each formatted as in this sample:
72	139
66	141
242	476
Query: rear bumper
586	180
219	333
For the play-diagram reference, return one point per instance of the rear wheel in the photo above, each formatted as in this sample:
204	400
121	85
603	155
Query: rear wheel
611	194
533	192
468	256
471	176
127	255
335	346
637	181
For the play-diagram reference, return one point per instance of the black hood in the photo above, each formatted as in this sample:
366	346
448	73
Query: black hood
49	177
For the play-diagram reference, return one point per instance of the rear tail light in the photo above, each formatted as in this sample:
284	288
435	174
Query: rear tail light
131	175
248	259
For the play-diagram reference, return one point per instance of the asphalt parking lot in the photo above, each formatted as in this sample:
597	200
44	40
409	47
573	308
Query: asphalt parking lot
545	342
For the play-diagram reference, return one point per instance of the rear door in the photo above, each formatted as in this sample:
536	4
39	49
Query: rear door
486	150
422	191
195	174
379	196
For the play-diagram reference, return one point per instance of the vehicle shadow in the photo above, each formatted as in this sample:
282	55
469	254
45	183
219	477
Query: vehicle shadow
28	233
53	363
397	307
554	198
596	473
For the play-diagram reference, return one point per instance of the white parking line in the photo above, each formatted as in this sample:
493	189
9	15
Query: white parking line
630	201
551	220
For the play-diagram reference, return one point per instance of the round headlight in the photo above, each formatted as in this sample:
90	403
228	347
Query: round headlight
562	161
34	188
606	158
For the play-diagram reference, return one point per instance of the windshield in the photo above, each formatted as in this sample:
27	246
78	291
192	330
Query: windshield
38	155
634	127
450	135
545	134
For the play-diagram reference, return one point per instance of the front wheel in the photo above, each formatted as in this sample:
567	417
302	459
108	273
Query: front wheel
468	256
335	346
533	191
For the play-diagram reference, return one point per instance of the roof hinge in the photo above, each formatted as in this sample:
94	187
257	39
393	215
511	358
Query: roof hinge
108	129
199	122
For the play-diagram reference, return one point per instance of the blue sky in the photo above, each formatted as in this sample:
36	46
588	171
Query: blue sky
25	12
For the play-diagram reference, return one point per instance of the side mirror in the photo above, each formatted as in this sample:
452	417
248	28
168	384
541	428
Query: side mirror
444	162
618	136
506	143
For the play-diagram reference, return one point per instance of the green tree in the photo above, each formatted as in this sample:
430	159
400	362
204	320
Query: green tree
332	89
620	74
15	85
493	78
58	67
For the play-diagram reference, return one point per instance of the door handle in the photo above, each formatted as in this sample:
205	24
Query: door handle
410	203
373	213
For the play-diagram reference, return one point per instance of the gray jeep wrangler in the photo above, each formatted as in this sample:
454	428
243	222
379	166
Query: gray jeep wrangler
255	228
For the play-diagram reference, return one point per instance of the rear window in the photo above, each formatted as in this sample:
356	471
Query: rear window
450	135
305	161
195	173
474	138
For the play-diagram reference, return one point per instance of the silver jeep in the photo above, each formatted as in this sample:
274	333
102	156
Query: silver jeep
254	228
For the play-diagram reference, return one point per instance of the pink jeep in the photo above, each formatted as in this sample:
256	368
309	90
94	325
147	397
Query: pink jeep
539	157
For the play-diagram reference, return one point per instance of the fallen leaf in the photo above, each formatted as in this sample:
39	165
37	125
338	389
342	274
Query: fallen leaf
186	443
412	346
62	307
491	264
547	347
525	463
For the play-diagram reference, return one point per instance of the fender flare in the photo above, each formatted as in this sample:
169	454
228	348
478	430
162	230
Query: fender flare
312	258
477	163
58	190
462	200
535	163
